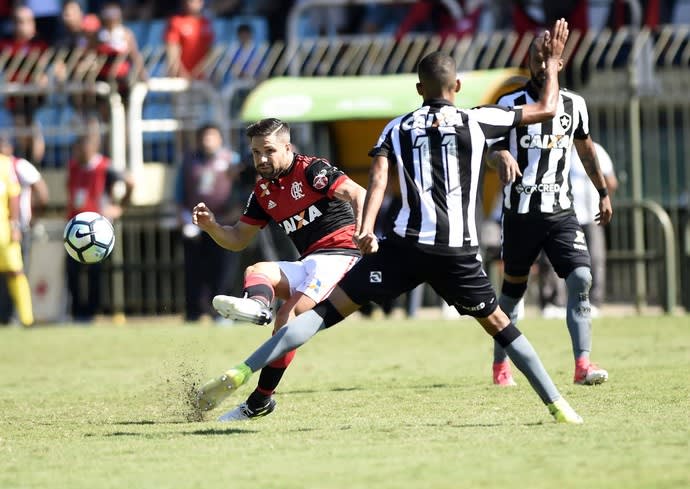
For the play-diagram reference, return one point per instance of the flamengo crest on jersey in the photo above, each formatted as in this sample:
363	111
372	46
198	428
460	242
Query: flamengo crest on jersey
302	203
543	152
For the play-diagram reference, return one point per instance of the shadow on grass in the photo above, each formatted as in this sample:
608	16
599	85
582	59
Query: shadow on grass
352	389
216	431
141	422
147	422
166	434
482	425
314	391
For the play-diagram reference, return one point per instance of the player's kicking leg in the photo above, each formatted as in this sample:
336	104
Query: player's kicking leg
307	282
260	282
260	402
291	336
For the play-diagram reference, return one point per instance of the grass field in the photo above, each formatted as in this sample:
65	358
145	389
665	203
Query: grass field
370	404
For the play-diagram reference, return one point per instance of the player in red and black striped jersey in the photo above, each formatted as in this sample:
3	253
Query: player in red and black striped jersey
319	208
302	201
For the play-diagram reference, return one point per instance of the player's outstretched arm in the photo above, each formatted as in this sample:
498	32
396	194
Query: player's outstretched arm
378	180
352	192
588	155
545	108
234	238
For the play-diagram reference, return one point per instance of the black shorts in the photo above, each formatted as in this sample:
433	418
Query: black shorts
399	267
561	237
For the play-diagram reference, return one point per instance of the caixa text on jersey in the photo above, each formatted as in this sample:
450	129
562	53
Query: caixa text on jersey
545	141
300	220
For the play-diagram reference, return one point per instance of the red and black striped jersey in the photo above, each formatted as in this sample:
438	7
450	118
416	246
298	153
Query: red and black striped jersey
301	201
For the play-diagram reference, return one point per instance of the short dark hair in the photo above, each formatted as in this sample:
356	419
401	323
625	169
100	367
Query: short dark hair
266	127
437	70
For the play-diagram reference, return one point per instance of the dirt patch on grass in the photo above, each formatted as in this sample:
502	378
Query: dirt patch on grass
184	386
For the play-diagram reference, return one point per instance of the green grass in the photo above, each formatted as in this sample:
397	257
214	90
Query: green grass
369	404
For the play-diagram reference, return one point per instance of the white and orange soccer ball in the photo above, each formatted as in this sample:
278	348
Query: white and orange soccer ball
89	237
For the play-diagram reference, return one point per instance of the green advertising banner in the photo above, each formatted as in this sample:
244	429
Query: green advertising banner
295	99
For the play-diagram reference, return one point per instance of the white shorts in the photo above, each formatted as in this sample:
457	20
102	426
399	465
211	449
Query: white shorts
316	275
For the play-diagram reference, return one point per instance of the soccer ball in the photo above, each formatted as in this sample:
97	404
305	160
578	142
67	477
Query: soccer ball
89	237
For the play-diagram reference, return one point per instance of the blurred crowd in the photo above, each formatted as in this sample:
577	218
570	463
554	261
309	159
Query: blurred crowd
400	18
50	43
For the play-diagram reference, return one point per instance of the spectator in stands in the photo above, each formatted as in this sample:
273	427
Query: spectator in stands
33	196
73	61
25	49
188	40
528	17
47	15
433	16
209	175
74	35
117	44
327	20
92	185
244	63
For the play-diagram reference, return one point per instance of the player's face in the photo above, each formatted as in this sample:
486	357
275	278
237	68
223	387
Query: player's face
271	154
537	64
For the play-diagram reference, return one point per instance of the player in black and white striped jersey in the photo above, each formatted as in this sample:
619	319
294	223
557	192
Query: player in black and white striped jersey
438	150
534	164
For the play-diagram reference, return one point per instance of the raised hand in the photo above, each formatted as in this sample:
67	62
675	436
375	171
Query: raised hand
554	44
202	216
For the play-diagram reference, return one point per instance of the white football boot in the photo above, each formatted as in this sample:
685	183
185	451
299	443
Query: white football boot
242	309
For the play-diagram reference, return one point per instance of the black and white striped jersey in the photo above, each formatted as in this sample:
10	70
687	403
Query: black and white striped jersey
438	150
543	151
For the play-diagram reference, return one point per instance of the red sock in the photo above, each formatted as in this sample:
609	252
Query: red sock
582	363
283	361
271	374
258	286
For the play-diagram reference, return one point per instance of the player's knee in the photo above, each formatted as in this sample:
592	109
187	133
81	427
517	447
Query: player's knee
514	289
255	268
328	313
579	280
